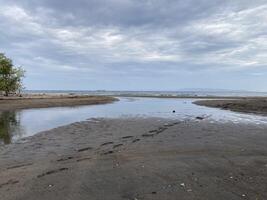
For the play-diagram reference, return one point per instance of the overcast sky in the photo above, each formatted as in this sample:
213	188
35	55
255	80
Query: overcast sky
137	44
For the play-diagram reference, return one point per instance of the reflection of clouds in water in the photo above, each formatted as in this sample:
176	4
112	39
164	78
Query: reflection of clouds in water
32	121
131	99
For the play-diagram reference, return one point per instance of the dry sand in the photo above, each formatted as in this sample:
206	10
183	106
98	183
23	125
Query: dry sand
249	105
138	159
44	101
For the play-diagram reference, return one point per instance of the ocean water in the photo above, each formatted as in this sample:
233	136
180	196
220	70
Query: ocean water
24	123
154	93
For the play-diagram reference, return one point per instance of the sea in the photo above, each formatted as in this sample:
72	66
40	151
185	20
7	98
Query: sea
200	93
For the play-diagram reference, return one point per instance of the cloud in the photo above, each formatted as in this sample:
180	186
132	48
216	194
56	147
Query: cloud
134	38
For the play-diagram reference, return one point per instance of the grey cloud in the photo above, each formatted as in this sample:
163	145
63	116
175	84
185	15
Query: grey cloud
134	38
123	12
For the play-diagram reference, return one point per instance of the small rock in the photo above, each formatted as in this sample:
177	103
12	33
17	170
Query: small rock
182	184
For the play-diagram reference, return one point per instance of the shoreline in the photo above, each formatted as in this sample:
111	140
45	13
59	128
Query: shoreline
46	101
136	158
192	97
254	106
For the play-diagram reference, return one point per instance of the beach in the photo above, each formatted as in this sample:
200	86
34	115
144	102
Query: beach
51	100
138	158
133	100
246	105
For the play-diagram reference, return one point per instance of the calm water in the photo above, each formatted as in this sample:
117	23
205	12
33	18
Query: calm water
189	93
16	125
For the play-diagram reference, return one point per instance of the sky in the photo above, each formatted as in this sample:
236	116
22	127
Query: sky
137	44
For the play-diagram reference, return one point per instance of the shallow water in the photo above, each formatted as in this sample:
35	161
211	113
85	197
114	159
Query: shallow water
24	123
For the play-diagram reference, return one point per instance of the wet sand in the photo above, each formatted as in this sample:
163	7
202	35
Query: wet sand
137	159
45	101
254	105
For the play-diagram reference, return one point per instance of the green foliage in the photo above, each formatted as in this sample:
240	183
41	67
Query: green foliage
10	76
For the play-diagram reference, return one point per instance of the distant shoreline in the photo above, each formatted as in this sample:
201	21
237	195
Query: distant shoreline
246	105
251	104
47	100
192	97
193	94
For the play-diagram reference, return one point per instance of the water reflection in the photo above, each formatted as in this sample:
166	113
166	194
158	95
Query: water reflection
9	126
24	123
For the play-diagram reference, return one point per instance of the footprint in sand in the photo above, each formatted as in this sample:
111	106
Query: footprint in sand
153	131
127	137
106	143
148	135
18	166
83	159
10	182
136	140
117	145
64	159
161	129
108	152
84	149
52	172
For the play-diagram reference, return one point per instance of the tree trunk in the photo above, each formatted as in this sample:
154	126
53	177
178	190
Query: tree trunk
6	93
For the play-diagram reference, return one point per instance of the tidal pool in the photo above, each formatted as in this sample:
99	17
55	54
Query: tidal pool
24	123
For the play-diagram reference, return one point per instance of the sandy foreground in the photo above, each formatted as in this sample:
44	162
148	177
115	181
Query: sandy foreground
138	159
45	101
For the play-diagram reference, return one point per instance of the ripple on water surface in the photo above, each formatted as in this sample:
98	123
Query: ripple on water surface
15	125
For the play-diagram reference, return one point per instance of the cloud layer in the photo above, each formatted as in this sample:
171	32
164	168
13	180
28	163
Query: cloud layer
128	44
